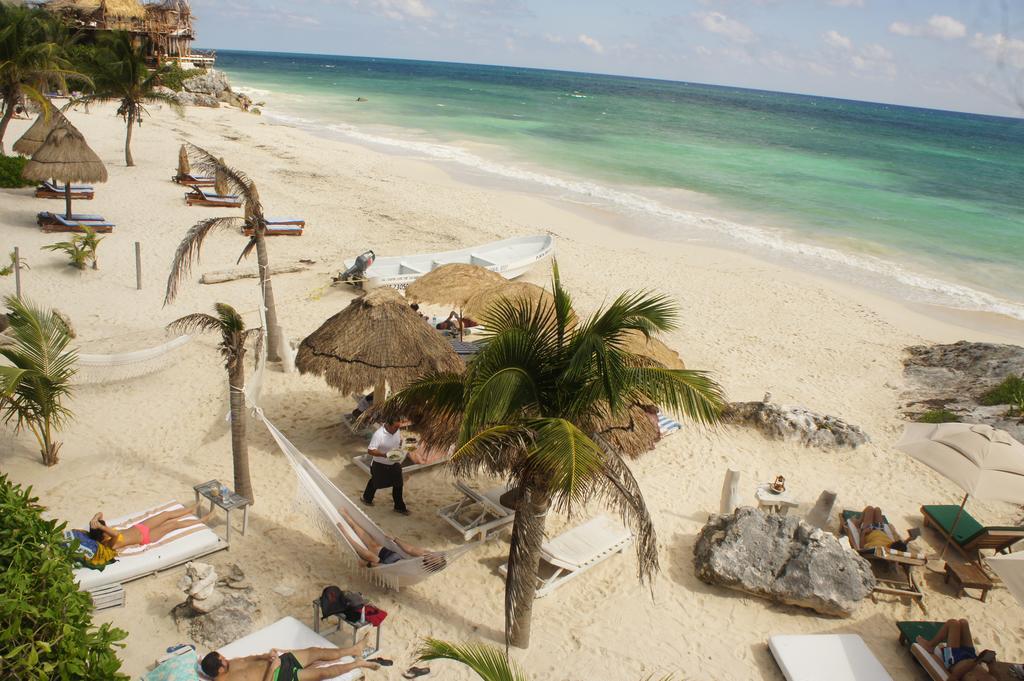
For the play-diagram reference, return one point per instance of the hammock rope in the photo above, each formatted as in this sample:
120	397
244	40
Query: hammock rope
96	368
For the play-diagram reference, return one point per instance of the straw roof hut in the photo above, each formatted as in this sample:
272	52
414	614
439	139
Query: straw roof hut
378	339
65	156
220	180
125	9
34	137
453	284
632	432
478	303
653	349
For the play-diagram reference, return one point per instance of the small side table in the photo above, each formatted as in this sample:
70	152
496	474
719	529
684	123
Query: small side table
215	492
774	503
356	627
967	576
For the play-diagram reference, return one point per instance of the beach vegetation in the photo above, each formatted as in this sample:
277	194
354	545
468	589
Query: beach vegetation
13	263
528	405
188	251
10	172
38	380
119	73
46	629
174	76
81	249
938	416
234	338
1010	391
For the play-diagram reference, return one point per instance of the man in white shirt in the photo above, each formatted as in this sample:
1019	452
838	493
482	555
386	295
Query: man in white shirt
383	471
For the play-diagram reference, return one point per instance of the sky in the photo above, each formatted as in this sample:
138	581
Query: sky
964	55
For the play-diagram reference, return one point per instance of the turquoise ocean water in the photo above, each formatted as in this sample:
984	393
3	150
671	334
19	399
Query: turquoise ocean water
926	205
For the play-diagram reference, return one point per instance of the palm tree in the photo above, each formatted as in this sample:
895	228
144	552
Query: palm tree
39	379
189	248
119	72
489	663
233	339
29	59
525	408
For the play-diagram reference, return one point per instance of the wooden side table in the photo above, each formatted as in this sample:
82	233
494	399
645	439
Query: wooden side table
222	497
968	576
356	628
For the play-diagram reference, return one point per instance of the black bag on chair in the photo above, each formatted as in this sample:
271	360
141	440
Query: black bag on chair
334	601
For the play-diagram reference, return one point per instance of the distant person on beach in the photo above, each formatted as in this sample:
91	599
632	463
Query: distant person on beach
386	471
375	554
954	648
287	665
454	321
364	403
873	535
143	533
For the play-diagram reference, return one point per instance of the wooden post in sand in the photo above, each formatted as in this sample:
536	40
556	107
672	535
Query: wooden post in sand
138	266
17	273
730	492
820	515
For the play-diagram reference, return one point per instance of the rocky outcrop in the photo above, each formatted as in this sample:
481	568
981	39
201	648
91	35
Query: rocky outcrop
209	82
216	610
953	377
795	423
782	559
210	88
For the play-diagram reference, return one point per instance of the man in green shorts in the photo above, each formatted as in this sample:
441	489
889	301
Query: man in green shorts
287	665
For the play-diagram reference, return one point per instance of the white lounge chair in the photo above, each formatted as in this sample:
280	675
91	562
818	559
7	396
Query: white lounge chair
408	465
575	551
478	514
287	633
666	425
175	548
836	657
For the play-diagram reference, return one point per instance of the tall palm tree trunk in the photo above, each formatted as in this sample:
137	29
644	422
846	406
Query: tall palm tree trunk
273	329
239	444
67	201
128	160
8	114
527	538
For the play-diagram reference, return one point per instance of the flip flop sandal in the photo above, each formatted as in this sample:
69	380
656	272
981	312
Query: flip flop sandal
383	662
414	672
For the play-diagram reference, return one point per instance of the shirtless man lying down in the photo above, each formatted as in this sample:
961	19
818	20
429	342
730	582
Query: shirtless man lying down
286	665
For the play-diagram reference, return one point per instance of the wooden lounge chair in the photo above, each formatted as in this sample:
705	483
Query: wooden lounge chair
575	551
894	569
51	217
909	631
816	657
60	224
193	180
280	227
49	190
970	535
479	514
198	197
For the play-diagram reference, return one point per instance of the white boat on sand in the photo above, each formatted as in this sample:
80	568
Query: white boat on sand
508	257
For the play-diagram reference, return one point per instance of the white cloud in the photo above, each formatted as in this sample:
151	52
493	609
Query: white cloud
837	39
398	10
1000	49
819	69
554	39
716	22
590	43
937	26
702	51
876	52
846	3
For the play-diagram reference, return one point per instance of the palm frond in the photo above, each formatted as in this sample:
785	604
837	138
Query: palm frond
9	379
687	392
489	663
238	182
565	458
189	248
195	322
247	251
497	450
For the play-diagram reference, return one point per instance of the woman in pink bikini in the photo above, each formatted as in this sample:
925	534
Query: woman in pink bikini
140	534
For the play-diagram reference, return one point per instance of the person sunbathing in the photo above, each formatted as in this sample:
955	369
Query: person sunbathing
376	554
287	665
871	527
140	534
953	647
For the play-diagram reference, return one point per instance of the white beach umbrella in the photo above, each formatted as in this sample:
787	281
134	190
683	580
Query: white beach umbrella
986	462
1010	569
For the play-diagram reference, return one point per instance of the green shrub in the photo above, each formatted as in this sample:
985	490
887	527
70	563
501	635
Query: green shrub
173	76
46	629
938	416
1009	391
10	172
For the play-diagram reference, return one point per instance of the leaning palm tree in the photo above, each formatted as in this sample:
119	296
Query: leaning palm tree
233	340
119	73
527	406
29	59
39	379
189	249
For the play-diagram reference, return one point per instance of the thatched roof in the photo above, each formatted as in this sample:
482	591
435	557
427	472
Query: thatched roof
654	349
478	303
220	180
632	432
34	137
452	284
184	167
377	337
108	8
65	157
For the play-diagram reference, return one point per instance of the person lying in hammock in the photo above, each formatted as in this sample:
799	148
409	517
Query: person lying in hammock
140	534
376	555
287	665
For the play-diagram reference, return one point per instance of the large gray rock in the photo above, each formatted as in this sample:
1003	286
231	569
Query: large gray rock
782	559
235	617
211	82
795	423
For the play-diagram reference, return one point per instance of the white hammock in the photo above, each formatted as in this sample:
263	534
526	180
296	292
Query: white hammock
123	365
329	500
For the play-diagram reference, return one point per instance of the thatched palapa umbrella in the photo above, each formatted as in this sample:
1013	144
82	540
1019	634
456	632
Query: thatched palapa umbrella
65	157
220	180
633	431
653	348
478	303
377	340
452	284
34	137
184	167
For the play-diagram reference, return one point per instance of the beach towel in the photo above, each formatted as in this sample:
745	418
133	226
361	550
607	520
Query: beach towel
89	552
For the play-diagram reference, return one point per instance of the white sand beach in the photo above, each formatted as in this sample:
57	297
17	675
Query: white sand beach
756	326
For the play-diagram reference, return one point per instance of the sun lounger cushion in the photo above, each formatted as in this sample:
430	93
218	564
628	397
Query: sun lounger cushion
49	186
967	528
667	425
176	547
909	631
574	549
928	661
287	633
842	657
84	217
